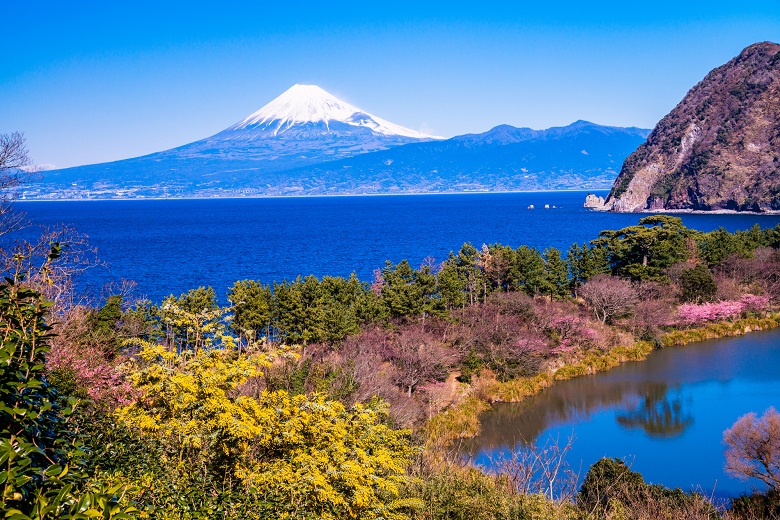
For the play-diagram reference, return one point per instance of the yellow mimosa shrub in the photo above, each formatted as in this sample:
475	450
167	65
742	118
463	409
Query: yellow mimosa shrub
293	456
188	400
317	456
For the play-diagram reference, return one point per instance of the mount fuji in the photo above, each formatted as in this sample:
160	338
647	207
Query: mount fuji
305	125
309	142
308	111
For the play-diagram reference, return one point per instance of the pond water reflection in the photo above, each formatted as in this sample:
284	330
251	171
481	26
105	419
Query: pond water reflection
665	415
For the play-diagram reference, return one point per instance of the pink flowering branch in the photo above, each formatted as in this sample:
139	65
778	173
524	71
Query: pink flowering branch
691	314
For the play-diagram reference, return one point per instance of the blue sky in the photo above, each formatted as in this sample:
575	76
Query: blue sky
96	81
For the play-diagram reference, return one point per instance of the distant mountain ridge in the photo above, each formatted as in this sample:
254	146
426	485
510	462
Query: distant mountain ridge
582	155
718	149
308	142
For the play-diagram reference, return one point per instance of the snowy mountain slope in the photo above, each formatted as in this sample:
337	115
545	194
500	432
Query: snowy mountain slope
302	104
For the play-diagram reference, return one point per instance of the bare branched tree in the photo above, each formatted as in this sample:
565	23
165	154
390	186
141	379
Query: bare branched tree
31	262
609	296
753	448
13	152
418	358
14	171
541	469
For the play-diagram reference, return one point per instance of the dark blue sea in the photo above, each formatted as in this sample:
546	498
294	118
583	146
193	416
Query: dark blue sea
170	246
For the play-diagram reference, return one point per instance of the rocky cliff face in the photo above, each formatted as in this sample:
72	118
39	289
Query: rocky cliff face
718	149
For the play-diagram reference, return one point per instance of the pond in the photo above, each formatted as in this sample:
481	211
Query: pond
664	416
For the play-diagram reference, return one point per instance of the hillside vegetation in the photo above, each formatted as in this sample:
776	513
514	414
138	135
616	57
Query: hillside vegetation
340	398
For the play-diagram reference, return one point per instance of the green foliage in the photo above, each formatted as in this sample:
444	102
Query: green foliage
718	245
209	436
44	462
585	262
64	380
198	300
610	489
470	366
698	285
607	481
756	505
452	287
407	292
556	274
641	252
106	322
622	183
142	321
496	261
298	315
252	308
309	310
167	490
528	271
194	320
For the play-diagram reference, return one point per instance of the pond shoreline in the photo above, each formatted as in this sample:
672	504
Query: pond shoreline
462	421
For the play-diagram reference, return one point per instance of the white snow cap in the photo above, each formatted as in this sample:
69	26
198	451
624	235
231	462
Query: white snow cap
311	104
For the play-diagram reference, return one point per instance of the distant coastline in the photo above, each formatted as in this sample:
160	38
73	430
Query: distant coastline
322	195
355	195
690	212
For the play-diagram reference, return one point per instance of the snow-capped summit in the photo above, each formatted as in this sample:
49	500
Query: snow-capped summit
309	104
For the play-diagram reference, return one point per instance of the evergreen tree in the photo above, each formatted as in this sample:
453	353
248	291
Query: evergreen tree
641	252
586	262
496	262
401	295
698	285
528	271
452	287
556	274
252	309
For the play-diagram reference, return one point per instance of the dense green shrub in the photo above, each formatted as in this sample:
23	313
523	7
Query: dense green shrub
612	490
698	285
755	506
45	462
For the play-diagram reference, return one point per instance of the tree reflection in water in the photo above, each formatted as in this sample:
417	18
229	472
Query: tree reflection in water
638	404
658	414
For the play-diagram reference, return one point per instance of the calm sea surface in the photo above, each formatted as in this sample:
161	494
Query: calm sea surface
665	416
170	246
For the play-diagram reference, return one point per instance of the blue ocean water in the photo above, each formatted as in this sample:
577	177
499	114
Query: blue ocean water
170	246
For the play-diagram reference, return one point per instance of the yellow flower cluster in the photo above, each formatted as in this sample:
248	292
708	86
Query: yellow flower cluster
299	454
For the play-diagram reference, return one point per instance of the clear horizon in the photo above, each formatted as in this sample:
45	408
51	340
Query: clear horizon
89	84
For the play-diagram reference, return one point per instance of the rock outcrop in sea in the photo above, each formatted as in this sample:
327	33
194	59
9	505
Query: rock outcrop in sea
593	201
